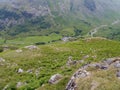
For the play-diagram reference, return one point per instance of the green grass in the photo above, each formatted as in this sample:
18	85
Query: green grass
32	39
51	59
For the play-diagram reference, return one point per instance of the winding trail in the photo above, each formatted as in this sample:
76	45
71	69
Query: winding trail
95	30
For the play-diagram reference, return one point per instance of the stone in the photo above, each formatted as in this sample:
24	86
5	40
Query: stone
117	64
20	70
31	47
87	56
2	60
20	84
109	61
66	39
85	66
104	66
18	51
118	74
29	71
70	61
55	79
71	85
81	73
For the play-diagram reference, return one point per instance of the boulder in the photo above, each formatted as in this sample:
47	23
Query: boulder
20	70
70	61
71	85
20	84
81	73
55	79
109	60
117	64
19	51
31	47
2	60
104	66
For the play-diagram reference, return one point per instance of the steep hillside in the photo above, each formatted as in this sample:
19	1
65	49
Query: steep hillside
30	67
43	17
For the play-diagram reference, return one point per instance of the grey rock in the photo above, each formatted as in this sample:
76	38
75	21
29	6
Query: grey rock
71	85
81	73
55	79
20	84
31	47
118	73
19	51
109	61
29	71
2	60
70	61
20	70
66	39
117	64
104	66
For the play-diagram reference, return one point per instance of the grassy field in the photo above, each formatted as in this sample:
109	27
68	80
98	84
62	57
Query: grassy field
50	59
22	41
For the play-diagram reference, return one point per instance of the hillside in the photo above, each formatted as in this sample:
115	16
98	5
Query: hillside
31	67
59	45
66	17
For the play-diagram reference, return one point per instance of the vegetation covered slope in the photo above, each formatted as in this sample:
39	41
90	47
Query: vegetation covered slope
43	17
38	65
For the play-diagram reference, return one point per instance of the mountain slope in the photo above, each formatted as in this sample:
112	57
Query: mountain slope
38	17
27	68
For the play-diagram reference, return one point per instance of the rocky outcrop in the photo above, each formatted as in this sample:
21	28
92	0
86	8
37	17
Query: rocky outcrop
83	71
90	4
55	78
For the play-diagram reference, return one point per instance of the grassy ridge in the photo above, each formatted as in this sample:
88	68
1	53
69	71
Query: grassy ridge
51	59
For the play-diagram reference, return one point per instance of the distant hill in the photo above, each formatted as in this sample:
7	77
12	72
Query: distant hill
43	17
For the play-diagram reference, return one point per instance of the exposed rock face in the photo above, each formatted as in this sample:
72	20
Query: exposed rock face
90	4
82	72
55	78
